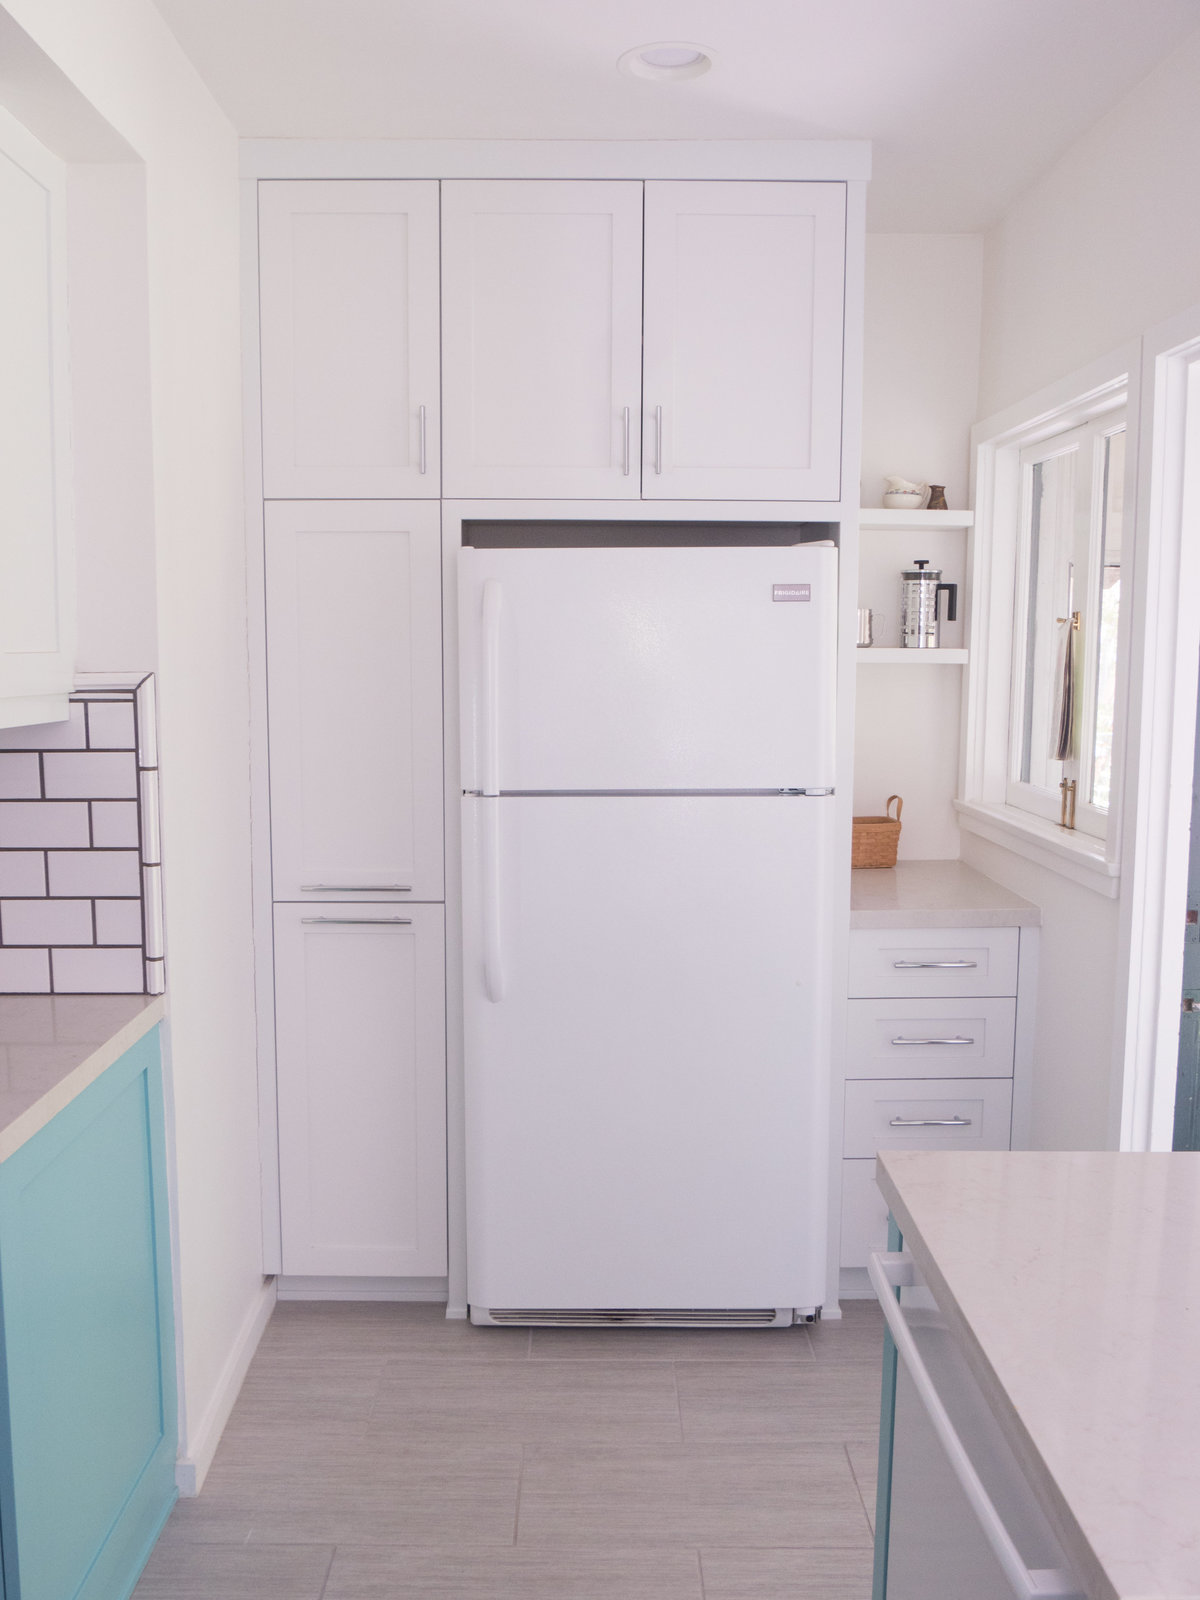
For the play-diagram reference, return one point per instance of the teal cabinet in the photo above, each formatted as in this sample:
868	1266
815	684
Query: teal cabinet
87	1345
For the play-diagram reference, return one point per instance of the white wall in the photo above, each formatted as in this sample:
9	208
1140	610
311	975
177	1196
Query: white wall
920	385
119	58
1103	246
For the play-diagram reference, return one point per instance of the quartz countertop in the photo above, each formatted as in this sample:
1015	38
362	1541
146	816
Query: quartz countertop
934	894
53	1046
1073	1282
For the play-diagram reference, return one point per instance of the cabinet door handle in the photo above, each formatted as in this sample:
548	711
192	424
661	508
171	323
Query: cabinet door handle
930	1122
658	438
889	1273
371	922
421	445
949	966
958	1040
356	888
626	466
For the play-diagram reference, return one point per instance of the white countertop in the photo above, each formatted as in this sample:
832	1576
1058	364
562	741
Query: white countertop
1073	1282
934	894
53	1046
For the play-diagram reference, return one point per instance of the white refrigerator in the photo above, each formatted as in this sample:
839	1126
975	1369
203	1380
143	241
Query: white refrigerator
648	767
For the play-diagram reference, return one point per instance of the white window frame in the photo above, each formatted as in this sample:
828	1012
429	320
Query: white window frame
985	806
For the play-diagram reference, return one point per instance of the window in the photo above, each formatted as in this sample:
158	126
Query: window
1068	597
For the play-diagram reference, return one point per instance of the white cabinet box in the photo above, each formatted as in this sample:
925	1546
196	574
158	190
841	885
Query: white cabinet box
361	1089
348	274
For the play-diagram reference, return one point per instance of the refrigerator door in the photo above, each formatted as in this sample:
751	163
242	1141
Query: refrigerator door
648	668
647	999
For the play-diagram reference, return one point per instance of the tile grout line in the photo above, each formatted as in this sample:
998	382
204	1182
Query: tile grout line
517	1508
700	1574
325	1582
858	1488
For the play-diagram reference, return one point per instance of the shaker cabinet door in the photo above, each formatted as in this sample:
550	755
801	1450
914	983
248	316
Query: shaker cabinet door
349	339
361	1072
745	287
354	699
542	329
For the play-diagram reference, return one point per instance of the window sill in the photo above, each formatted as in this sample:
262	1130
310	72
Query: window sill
1078	856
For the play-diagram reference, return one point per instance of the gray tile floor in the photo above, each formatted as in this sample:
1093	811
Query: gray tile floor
379	1452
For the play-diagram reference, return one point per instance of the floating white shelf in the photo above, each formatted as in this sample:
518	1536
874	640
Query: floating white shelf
875	517
875	655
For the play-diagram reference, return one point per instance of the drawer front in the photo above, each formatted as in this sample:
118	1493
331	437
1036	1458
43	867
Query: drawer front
928	1114
930	1038
864	1213
933	961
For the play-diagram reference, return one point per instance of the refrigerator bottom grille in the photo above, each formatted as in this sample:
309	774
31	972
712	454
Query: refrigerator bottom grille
620	1317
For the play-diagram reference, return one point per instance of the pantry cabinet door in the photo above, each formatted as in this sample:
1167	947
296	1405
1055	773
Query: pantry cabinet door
745	284
361	1082
354	699
349	339
542	319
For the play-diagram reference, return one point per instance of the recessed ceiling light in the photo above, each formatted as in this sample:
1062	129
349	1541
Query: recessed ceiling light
672	59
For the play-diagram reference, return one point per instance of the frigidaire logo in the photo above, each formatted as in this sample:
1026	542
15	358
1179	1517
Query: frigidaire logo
791	591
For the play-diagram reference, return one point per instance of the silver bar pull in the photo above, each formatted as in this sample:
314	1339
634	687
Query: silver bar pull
930	1122
356	888
949	966
958	1039
625	468
658	438
421	446
374	922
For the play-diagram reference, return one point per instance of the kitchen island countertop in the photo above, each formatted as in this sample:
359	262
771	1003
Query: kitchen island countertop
53	1046
934	894
1072	1281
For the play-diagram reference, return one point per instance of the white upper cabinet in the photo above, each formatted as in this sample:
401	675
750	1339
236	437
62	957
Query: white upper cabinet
349	339
542	335
745	287
354	699
37	599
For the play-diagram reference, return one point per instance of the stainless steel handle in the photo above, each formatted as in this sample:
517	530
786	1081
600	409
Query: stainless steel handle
489	863
889	1273
658	438
625	469
490	695
374	922
912	966
356	888
957	1040
930	1122
421	447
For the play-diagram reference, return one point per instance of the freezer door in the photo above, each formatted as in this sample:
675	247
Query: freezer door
647	1051
648	668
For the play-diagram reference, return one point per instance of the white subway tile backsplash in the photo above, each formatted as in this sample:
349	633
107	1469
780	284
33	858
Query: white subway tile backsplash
94	872
119	922
24	972
46	921
68	735
114	824
91	775
22	872
97	971
20	778
43	824
110	725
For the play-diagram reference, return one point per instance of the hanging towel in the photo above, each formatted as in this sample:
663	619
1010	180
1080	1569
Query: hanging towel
1062	725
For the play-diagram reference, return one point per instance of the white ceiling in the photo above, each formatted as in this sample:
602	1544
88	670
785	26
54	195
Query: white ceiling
966	100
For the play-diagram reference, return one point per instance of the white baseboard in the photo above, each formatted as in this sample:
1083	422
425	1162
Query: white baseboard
200	1447
294	1287
855	1285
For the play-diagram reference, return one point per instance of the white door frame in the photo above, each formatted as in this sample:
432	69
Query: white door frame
1162	719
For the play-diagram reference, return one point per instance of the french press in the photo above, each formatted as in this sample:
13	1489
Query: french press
919	621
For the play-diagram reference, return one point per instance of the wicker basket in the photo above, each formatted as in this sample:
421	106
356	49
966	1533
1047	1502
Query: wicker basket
876	838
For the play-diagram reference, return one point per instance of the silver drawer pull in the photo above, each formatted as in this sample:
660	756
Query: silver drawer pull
913	966
958	1040
356	888
373	922
930	1122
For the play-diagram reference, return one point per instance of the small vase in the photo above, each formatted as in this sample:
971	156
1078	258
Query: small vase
937	498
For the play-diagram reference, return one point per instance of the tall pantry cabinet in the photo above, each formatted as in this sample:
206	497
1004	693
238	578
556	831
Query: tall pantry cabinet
564	340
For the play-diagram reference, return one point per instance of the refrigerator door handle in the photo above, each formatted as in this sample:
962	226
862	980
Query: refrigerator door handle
493	955
490	707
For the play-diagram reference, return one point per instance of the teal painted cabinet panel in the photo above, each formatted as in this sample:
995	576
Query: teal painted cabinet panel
87	1405
887	1431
